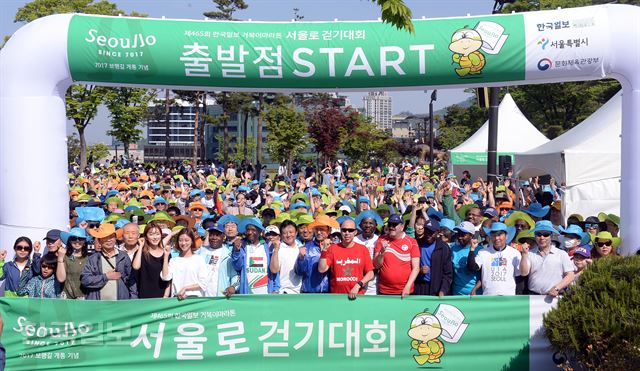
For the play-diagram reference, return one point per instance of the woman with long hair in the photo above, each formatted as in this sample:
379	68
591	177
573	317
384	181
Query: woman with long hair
148	264
188	271
71	263
20	265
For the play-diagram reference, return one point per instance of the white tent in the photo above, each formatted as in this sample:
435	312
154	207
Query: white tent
515	134
586	158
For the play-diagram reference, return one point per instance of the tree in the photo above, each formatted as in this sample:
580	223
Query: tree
459	123
73	148
365	142
287	129
396	13
328	124
82	106
128	108
99	151
226	8
195	99
82	100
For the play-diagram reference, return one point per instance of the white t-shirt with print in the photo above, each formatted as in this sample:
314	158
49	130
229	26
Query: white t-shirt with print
499	270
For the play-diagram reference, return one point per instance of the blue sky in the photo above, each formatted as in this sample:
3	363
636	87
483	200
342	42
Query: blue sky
281	10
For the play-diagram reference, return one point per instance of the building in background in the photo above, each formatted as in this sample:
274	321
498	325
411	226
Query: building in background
181	130
377	105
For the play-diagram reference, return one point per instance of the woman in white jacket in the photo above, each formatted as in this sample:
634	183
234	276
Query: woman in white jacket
188	272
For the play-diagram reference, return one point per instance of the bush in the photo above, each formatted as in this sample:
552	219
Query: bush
597	324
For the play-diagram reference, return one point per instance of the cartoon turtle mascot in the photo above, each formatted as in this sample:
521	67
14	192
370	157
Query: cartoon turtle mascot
425	329
465	44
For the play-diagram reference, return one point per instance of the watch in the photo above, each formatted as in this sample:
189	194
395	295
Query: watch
360	284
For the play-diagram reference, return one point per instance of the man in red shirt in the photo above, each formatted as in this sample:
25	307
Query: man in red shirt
397	256
350	263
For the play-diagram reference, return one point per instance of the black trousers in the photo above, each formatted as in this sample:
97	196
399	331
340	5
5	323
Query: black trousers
421	288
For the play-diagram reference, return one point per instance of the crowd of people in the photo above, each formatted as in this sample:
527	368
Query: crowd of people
153	231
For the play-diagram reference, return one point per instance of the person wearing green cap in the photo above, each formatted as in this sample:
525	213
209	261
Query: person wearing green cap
309	256
305	234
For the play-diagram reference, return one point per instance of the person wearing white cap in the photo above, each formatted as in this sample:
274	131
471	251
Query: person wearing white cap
464	280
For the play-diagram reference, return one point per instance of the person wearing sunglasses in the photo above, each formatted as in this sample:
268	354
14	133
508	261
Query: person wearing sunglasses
350	263
605	245
20	266
71	262
549	268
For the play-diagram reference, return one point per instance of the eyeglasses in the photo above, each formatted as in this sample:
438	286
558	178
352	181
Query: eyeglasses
602	244
51	240
93	225
543	234
591	226
46	266
393	225
22	248
348	230
75	239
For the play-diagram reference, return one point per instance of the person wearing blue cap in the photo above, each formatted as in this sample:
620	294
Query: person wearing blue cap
464	280
368	221
72	263
573	237
364	203
436	271
498	262
223	278
241	207
251	260
550	269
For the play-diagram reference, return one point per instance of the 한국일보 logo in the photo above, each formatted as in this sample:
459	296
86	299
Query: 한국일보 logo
544	64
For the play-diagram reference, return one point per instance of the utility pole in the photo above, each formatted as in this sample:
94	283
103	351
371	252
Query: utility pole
167	115
434	97
494	97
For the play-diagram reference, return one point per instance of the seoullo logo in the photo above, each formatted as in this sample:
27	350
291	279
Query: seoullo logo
136	41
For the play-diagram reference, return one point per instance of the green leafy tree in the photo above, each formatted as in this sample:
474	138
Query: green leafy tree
460	123
73	147
365	141
197	99
99	151
128	109
82	106
226	8
287	131
397	13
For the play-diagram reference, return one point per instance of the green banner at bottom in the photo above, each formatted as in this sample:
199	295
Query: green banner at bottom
275	332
